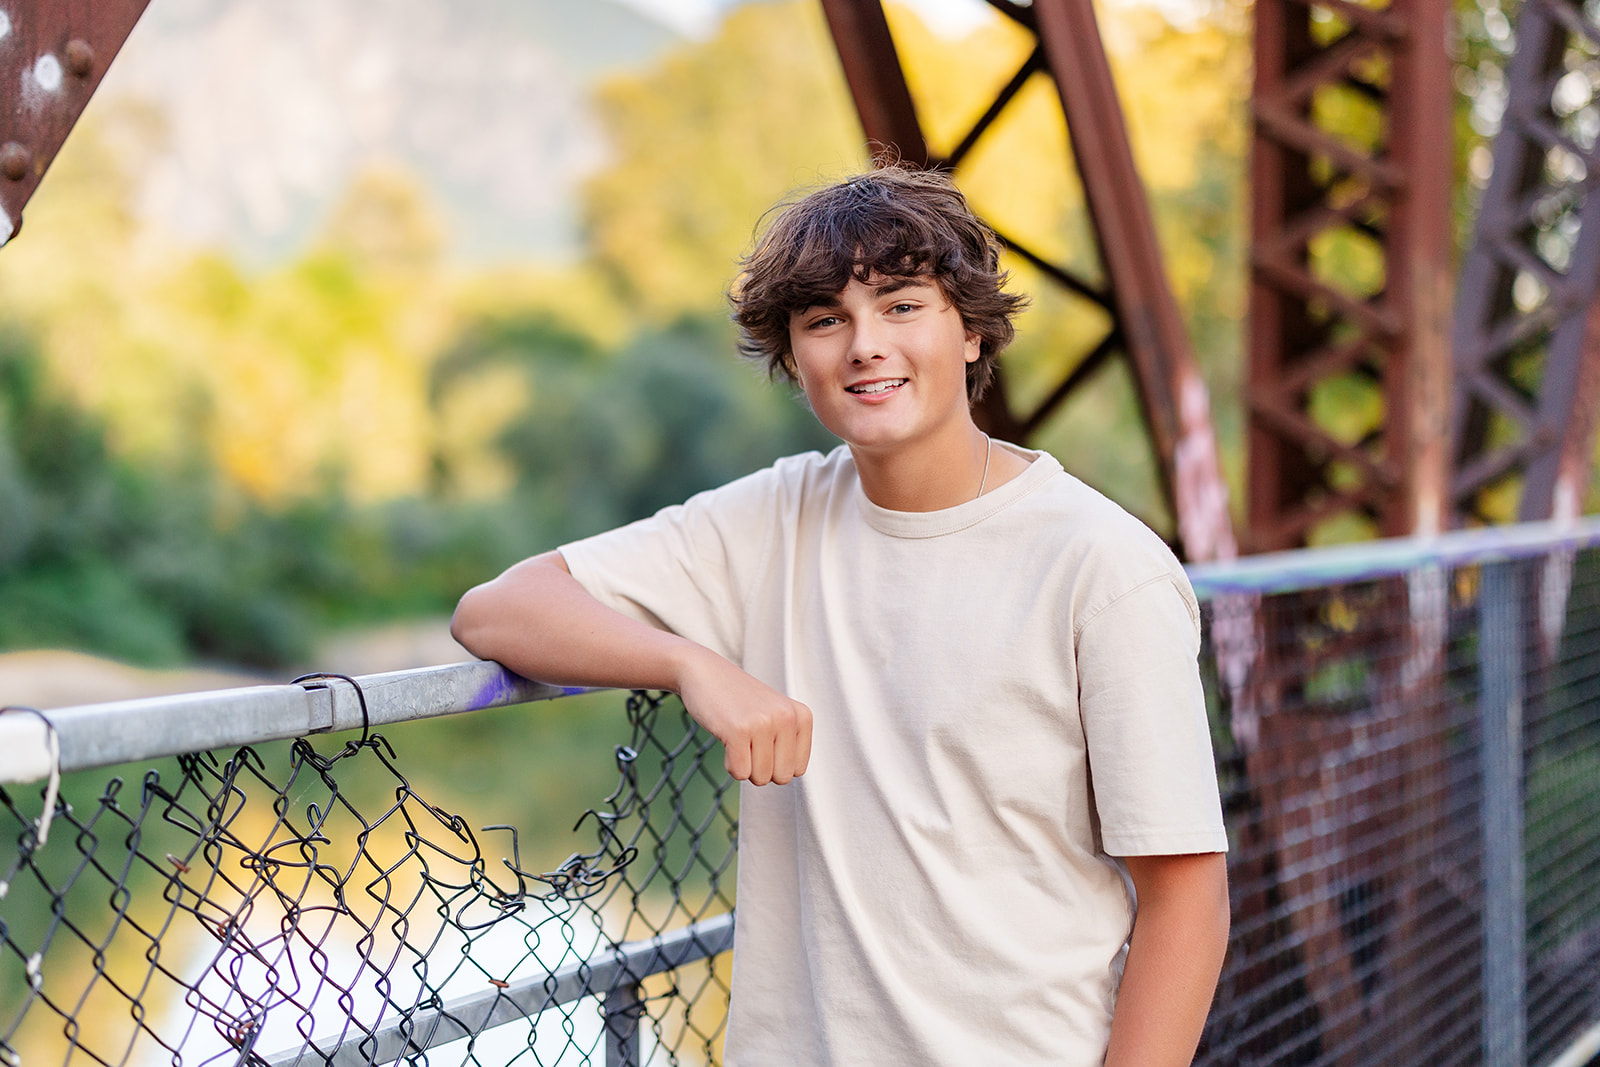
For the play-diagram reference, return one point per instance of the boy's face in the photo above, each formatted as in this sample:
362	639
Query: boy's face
884	362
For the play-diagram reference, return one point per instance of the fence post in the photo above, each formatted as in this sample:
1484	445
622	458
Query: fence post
622	1012
1500	653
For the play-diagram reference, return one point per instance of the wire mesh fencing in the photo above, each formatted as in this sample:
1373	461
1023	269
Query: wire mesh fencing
1411	775
1410	762
275	905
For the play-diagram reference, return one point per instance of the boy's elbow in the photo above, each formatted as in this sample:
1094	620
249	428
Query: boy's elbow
468	625
488	612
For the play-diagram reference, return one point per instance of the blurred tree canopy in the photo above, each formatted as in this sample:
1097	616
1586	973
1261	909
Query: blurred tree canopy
156	563
706	142
609	437
95	552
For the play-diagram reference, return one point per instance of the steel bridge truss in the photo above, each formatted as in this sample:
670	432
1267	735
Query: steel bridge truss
1527	337
53	54
1146	327
1350	269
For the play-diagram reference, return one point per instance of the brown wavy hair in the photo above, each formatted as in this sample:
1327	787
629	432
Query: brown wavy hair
893	222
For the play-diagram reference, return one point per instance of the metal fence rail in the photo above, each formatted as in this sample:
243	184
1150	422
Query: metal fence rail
1408	738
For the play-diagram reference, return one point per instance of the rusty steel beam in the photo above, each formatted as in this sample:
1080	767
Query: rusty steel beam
1527	339
53	54
1147	328
1177	410
877	84
1351	157
1350	297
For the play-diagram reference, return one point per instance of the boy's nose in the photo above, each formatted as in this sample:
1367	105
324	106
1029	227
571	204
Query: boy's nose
866	344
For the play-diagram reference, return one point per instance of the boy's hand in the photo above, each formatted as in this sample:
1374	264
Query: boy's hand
766	737
538	621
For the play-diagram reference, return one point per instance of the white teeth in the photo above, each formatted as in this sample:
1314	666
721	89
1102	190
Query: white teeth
877	387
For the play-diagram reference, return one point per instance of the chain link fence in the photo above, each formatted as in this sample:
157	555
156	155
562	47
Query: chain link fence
1410	763
1408	741
249	907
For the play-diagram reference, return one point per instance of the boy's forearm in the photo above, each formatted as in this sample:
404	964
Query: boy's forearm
1180	936
538	621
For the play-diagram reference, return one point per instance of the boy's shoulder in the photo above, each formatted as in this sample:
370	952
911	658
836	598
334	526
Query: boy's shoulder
1084	514
794	477
1109	551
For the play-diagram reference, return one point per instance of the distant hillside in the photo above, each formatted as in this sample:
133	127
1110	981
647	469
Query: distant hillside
269	107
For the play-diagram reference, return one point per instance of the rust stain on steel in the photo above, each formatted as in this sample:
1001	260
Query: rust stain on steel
1575	457
53	54
1506	427
1389	189
1420	275
1146	326
1177	410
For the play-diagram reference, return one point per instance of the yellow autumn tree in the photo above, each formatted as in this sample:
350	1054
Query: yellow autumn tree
315	368
706	141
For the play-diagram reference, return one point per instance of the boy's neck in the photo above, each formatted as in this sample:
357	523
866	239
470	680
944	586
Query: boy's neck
936	476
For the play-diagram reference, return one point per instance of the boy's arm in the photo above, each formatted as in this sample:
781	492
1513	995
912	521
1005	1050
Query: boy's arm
1180	934
537	620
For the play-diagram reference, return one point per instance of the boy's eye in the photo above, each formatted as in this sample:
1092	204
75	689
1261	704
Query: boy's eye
823	321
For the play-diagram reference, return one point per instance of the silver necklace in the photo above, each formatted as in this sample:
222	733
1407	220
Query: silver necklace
988	451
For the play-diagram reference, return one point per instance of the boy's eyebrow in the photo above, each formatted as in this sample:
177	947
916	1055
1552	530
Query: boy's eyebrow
894	285
821	303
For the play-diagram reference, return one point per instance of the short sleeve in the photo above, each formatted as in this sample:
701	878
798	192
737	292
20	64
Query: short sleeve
687	568
1144	718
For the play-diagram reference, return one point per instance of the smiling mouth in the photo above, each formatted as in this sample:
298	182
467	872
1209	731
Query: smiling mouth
869	388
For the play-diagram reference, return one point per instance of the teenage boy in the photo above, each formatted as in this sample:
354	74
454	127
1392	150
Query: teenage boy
984	671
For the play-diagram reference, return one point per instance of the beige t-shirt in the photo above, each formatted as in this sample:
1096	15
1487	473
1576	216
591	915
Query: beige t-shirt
1005	696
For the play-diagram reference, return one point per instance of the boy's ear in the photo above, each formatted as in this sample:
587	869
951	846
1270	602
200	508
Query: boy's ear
974	347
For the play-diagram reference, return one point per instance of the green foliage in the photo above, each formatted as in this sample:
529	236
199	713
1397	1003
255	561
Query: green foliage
707	140
97	554
156	565
1563	792
609	437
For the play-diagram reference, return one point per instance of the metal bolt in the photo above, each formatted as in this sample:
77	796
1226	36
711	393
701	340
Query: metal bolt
80	57
15	161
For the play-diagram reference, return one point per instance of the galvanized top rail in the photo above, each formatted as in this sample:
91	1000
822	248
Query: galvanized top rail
99	735
1310	568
